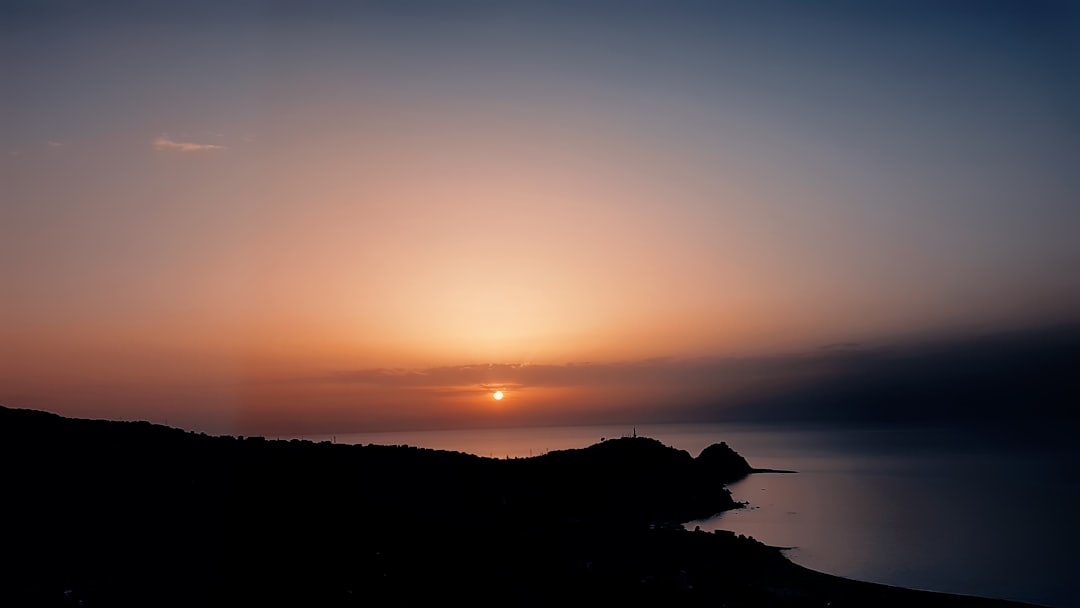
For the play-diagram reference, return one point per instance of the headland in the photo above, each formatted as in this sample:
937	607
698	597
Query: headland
134	514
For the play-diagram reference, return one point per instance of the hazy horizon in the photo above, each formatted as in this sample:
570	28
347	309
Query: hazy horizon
331	216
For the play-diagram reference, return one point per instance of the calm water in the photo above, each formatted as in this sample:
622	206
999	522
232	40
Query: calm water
977	513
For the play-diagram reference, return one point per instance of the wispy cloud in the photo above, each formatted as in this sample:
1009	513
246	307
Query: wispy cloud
1005	376
163	142
712	372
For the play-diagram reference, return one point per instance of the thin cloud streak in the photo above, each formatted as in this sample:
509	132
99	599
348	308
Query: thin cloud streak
711	372
164	142
1004	376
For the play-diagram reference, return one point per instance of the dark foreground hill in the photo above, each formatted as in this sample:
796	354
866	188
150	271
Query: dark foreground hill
100	513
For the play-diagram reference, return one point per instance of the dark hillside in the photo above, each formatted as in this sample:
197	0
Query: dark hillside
102	513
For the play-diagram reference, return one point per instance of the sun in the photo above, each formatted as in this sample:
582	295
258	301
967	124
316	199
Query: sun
498	395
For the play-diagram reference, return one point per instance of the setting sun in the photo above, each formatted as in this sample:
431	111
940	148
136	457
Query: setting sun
773	226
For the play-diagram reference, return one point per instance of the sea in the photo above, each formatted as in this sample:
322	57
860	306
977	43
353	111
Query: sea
991	512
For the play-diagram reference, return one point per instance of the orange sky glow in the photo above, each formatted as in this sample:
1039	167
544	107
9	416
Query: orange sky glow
333	227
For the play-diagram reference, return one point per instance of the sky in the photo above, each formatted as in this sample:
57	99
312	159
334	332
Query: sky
286	217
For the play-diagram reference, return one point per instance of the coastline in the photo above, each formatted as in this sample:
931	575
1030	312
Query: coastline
941	524
117	512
